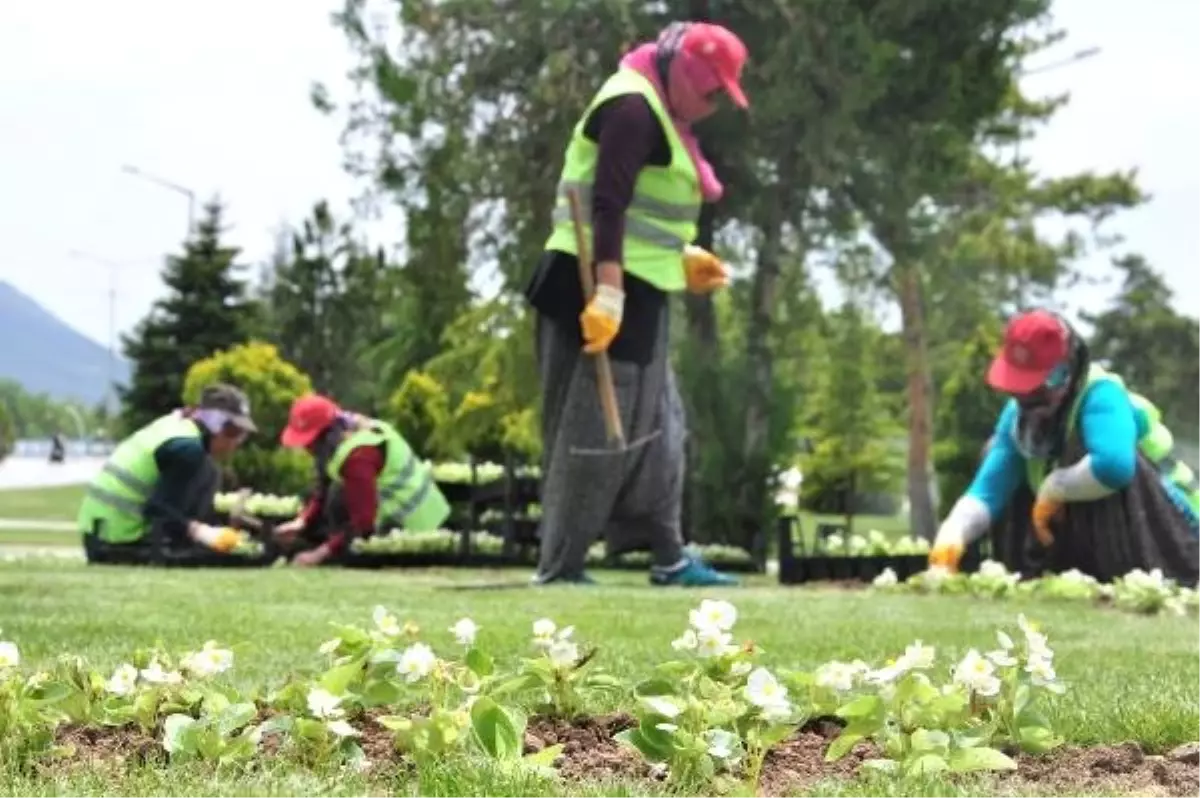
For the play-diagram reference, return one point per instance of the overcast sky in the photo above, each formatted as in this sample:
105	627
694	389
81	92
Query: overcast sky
214	96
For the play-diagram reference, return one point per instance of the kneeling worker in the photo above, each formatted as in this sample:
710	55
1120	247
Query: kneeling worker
159	480
368	479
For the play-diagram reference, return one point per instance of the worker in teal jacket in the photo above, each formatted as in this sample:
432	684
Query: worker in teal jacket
1091	461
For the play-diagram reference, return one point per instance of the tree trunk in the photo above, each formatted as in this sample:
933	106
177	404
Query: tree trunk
760	385
922	519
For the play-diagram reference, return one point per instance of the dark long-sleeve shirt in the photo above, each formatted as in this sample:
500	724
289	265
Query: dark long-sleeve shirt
359	473
629	137
173	503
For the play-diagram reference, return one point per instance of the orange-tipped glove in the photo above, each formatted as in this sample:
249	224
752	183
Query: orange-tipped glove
704	271
946	554
1048	506
1045	511
601	319
223	539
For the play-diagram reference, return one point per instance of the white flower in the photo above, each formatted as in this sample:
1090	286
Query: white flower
563	653
917	657
1041	671
777	712
464	631
662	705
740	668
123	680
835	675
685	642
543	632
977	674
993	570
1005	641
712	642
155	674
324	704
340	728
209	660
765	692
1035	641
330	646
886	578
1001	658
387	624
416	662
714	615
10	655
722	744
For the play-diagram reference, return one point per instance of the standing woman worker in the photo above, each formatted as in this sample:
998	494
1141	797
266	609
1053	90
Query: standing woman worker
641	180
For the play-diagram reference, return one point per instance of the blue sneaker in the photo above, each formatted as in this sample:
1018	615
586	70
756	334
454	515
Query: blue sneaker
693	573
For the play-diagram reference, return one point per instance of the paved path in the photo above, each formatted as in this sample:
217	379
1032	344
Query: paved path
38	472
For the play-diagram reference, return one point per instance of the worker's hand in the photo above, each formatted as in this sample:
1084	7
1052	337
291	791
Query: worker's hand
704	271
307	559
601	319
223	539
286	532
948	546
1045	511
238	515
1047	507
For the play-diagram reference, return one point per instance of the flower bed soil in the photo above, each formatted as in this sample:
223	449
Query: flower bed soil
795	765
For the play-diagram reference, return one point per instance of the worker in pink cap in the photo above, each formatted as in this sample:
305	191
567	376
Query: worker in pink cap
368	479
1080	468
642	179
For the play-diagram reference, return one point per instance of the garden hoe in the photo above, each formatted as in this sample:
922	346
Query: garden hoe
604	377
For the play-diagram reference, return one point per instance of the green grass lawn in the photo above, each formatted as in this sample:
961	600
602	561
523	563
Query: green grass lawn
58	503
1129	677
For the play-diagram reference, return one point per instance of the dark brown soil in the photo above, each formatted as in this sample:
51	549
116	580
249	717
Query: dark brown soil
1106	769
105	746
796	765
589	750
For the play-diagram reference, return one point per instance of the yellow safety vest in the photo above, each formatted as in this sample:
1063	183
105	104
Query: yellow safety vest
662	218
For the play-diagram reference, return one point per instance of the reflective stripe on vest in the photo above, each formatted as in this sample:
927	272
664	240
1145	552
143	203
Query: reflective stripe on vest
664	212
115	498
634	226
401	468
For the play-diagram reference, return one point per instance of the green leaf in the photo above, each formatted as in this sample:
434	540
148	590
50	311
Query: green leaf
1021	698
173	732
235	717
546	757
382	692
480	663
494	730
965	760
841	746
881	765
309	729
337	680
655	686
652	750
395	722
930	741
519	684
1037	739
866	706
927	764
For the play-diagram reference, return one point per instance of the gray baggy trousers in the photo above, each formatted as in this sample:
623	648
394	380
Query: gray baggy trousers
634	499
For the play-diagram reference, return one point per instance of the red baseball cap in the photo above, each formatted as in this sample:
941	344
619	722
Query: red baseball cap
309	417
1035	343
721	49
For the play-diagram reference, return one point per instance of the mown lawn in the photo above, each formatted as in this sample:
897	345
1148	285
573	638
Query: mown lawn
1129	677
59	503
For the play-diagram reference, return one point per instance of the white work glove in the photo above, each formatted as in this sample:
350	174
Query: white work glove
968	519
222	539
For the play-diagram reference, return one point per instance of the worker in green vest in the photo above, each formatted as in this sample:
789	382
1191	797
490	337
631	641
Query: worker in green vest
368	479
1080	472
642	180
159	481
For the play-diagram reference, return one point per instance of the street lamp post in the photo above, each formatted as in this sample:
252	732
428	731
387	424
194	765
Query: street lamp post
167	184
112	320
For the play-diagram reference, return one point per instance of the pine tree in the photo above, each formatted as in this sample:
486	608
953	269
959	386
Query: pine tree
206	309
